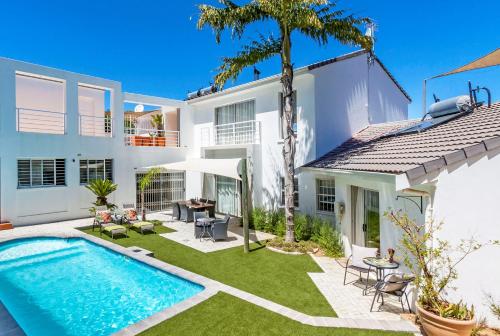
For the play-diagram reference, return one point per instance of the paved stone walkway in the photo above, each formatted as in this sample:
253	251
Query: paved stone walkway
348	301
184	234
67	229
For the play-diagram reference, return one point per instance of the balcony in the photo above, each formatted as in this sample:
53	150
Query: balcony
40	121
239	133
140	137
96	126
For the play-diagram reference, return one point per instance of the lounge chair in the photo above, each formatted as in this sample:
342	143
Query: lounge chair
355	263
115	229
143	227
203	200
186	213
104	220
219	228
394	285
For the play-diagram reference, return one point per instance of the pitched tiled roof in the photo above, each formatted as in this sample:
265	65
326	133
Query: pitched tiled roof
375	149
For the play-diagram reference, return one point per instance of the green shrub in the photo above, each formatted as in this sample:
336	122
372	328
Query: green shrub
258	218
303	227
329	239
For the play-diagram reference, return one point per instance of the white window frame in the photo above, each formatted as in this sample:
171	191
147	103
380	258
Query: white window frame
322	204
105	162
56	164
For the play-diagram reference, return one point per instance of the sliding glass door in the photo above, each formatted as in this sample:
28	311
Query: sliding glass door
228	195
371	226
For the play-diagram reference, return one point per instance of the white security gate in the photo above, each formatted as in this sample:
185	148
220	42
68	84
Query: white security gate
166	188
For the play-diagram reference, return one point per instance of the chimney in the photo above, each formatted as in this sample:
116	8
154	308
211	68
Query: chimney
256	74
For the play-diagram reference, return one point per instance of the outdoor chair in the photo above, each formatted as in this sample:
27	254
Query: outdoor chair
395	285
219	228
104	220
198	229
211	210
176	212
130	214
186	213
355	263
203	200
102	217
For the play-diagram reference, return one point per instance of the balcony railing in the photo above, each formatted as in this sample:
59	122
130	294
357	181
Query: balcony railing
96	126
245	132
40	121
140	137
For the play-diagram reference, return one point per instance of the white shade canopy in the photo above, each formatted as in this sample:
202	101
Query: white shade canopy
221	167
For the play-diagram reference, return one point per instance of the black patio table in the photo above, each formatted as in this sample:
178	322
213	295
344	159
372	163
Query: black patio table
380	264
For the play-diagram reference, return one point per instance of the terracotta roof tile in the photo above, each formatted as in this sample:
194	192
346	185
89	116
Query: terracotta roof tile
377	149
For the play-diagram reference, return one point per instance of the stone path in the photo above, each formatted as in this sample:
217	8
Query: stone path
184	234
348	301
67	229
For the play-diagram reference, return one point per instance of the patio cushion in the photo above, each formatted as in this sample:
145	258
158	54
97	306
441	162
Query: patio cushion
359	253
139	225
132	214
114	227
105	216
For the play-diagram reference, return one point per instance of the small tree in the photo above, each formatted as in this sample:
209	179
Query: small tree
434	263
102	189
144	183
157	122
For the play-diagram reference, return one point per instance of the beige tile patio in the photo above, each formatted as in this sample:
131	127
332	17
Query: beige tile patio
348	301
184	234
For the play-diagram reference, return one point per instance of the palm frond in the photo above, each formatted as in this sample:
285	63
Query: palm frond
231	16
256	52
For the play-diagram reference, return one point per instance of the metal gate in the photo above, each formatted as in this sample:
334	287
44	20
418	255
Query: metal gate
166	188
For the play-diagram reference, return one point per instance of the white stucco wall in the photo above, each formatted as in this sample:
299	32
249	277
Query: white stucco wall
466	200
40	205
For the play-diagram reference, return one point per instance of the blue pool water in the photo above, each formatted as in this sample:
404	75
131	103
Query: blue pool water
55	286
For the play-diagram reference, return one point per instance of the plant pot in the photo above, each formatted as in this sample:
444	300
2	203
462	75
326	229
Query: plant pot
435	325
6	226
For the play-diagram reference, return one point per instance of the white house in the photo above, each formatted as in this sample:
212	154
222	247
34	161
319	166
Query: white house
60	129
445	170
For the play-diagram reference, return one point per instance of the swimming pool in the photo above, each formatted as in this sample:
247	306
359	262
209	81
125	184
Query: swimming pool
54	286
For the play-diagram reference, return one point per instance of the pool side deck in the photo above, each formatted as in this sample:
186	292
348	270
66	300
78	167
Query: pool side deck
69	230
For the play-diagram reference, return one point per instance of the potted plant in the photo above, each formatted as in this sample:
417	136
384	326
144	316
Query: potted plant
159	135
144	183
434	263
102	189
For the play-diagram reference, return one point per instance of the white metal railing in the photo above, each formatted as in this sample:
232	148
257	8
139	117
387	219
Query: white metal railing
40	121
244	132
96	126
141	137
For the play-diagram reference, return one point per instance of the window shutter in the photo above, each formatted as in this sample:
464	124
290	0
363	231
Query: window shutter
60	172
23	173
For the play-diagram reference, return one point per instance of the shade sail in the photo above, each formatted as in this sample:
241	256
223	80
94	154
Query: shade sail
491	59
221	167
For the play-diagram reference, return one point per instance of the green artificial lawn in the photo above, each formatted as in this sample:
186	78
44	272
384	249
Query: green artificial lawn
277	277
224	314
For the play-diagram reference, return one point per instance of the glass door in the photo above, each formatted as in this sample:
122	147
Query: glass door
228	196
371	225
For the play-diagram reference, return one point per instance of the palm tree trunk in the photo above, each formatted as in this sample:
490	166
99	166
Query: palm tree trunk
288	133
143	210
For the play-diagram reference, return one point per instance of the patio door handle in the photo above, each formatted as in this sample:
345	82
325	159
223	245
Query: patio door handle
364	227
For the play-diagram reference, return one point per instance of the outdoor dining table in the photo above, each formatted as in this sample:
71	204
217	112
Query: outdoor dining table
197	205
380	264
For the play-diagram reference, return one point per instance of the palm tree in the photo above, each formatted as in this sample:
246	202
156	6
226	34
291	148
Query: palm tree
319	20
144	183
102	189
157	122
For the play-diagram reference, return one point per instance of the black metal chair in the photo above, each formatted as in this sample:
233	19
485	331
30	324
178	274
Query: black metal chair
176	212
394	285
211	210
219	228
186	213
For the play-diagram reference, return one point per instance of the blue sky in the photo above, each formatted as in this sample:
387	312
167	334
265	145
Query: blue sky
153	46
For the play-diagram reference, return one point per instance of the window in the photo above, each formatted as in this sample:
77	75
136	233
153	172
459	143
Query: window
294	111
32	173
325	195
95	116
295	192
95	170
233	113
